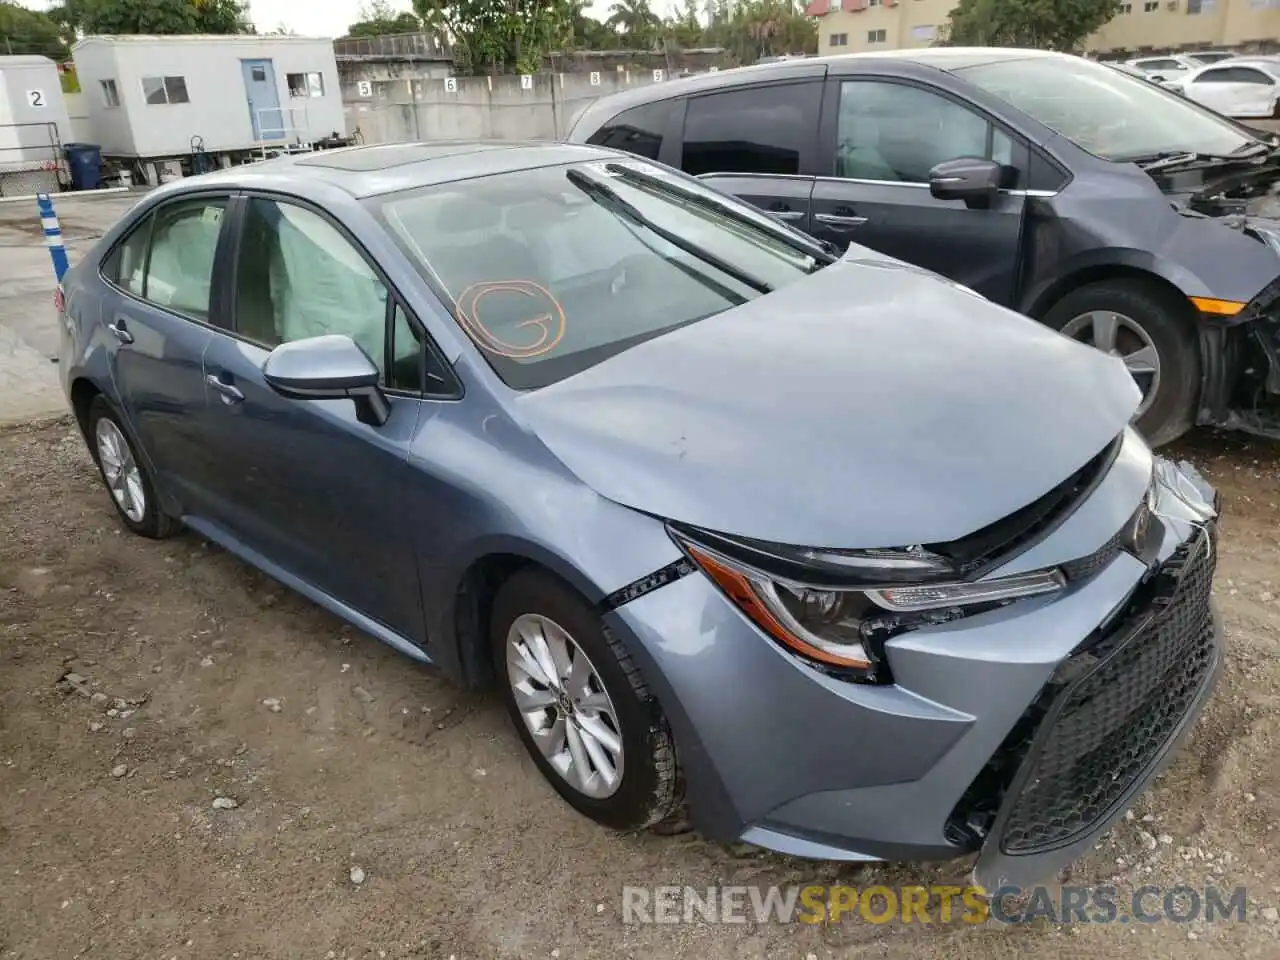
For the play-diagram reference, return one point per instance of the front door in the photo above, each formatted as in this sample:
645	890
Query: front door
303	482
158	315
886	137
264	99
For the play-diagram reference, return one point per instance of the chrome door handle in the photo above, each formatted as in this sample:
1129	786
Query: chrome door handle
119	332
229	393
833	220
788	214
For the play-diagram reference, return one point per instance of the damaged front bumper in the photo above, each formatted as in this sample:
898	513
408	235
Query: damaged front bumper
1240	382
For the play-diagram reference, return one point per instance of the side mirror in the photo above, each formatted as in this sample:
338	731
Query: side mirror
330	367
971	179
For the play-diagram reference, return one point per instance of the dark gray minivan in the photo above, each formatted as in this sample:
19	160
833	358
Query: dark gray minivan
1114	211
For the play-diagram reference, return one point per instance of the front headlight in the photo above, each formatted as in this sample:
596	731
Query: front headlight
844	629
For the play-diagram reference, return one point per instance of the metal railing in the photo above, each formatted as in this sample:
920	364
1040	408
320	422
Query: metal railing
396	46
31	152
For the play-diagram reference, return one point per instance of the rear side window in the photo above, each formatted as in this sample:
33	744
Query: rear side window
168	258
638	130
751	130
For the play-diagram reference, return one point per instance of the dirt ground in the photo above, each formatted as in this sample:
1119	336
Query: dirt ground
202	680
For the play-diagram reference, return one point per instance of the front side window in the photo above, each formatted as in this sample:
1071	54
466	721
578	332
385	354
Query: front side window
638	130
168	258
1108	113
549	277
895	132
751	129
157	90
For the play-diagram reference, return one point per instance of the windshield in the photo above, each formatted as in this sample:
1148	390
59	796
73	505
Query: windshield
552	270
1111	114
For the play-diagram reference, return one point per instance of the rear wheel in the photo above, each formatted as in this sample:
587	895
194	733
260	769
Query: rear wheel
580	706
1151	329
125	473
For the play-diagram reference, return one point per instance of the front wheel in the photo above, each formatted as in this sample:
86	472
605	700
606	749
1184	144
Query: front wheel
580	706
1152	330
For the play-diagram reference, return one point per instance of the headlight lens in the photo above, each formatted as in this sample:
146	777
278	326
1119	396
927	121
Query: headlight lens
844	629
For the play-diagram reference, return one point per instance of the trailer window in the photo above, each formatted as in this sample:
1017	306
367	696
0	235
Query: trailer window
306	84
159	90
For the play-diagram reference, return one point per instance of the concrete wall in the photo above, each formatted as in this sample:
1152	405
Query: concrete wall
218	109
410	106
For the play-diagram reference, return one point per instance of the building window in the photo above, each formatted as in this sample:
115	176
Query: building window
839	40
165	90
110	95
873	3
877	36
1126	8
924	33
1200	6
1151	6
1265	4
306	84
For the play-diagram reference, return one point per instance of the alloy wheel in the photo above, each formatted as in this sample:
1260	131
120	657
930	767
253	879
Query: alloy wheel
565	705
1121	336
121	470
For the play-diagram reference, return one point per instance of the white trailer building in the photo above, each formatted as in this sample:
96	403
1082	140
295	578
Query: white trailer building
157	98
33	126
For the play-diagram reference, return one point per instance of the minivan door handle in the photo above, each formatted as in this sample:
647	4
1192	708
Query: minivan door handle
840	221
783	211
120	330
229	393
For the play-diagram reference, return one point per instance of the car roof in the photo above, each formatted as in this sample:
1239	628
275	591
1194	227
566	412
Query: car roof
373	169
940	58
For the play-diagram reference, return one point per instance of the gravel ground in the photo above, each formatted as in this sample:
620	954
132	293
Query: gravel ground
234	760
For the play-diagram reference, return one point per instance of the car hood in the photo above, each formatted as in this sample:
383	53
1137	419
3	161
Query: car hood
873	404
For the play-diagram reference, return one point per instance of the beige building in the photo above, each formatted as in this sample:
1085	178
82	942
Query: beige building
851	26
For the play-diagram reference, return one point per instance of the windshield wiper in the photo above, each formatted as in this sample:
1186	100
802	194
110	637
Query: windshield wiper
1181	158
797	241
603	193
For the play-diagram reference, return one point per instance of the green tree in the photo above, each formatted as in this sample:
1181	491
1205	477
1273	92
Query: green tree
636	22
496	36
684	29
379	18
24	31
585	32
164	16
751	29
1045	24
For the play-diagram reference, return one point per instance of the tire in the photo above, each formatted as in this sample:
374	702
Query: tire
1166	320
648	789
148	521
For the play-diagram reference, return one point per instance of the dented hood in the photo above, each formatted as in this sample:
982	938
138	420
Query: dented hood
870	405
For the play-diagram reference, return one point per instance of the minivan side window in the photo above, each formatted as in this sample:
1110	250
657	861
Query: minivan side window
762	129
898	133
168	259
638	130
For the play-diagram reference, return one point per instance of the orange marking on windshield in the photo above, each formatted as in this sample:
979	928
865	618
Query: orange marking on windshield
550	326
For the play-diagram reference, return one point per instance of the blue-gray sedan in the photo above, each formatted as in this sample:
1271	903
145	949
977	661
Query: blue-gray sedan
859	564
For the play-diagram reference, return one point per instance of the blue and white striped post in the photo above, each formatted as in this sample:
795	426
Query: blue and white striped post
52	235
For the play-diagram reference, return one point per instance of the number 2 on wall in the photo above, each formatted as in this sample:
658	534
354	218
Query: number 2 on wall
35	98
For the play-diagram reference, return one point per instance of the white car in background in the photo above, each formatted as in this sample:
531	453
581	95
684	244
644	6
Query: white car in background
1243	87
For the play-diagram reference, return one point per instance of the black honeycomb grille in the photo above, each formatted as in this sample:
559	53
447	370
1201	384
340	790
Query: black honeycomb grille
1105	728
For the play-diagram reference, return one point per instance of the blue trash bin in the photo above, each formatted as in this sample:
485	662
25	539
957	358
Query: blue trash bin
85	161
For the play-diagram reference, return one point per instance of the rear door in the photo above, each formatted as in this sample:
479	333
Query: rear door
882	137
758	143
160	313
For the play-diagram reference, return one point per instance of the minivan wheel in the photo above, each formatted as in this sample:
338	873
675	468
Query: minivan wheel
1151	330
125	473
580	706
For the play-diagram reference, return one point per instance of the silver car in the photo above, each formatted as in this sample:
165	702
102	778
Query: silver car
855	562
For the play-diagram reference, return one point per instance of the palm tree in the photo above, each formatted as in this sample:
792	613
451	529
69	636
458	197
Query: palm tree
638	23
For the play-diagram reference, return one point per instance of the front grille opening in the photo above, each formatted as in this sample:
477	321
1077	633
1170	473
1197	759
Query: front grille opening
1111	708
